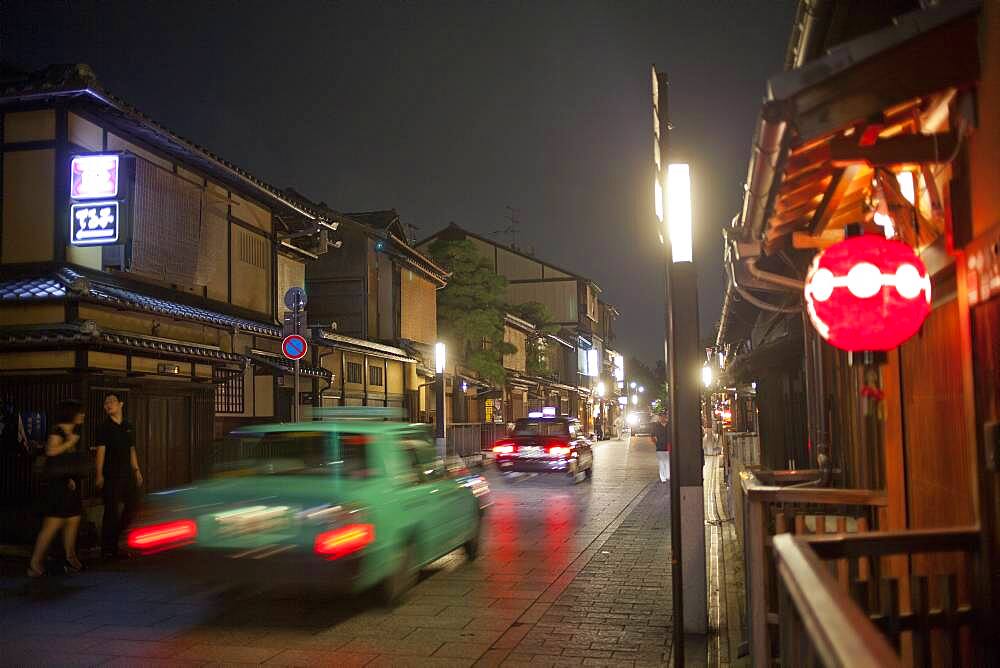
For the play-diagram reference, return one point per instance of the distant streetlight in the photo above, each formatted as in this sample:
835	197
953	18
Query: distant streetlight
641	389
600	389
632	384
706	375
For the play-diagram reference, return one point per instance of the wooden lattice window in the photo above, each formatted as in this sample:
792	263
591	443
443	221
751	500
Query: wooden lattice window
229	395
355	372
375	375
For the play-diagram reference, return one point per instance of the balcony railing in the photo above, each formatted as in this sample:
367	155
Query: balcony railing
779	502
841	604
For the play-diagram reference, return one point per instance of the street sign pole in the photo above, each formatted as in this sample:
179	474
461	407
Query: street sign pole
295	403
295	300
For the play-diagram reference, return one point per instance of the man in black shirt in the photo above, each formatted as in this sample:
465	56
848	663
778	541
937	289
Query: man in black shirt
118	475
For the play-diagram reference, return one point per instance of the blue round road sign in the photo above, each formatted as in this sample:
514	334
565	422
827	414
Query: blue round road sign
294	347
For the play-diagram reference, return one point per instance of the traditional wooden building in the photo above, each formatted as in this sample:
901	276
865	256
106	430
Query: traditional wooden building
378	291
895	129
574	303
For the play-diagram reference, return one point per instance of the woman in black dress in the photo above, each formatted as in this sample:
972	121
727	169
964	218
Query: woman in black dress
63	501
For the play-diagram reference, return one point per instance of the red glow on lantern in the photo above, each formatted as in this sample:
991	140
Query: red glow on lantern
867	293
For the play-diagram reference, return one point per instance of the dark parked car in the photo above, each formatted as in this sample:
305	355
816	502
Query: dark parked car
546	445
641	422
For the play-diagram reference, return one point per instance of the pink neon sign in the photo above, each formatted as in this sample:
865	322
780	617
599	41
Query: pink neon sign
93	176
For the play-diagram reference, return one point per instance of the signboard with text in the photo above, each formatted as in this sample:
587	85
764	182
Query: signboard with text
96	194
93	223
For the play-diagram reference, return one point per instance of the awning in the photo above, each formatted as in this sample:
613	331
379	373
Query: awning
286	366
828	125
349	343
69	283
89	336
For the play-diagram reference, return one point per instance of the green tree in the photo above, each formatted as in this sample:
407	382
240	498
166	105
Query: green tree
536	363
471	308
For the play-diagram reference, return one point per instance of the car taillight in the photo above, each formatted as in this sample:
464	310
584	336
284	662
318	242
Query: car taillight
558	448
344	540
504	447
160	536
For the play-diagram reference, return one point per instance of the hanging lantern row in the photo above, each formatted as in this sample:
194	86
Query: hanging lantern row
867	293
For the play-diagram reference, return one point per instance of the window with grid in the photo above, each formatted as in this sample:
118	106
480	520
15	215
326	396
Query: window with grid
355	372
375	375
228	391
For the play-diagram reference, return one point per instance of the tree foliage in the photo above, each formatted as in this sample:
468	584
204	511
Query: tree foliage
471	308
536	362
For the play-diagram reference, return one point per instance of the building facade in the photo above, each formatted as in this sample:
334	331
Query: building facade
576	355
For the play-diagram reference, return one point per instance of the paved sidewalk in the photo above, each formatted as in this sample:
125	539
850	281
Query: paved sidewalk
616	610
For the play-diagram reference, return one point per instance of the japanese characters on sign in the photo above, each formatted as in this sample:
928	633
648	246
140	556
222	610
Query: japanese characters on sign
93	223
94	177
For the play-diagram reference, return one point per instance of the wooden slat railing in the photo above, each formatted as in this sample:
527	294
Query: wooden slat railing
769	510
833	620
819	621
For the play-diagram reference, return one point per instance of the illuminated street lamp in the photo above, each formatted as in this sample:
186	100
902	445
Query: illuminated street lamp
706	375
641	389
600	389
632	384
440	359
683	359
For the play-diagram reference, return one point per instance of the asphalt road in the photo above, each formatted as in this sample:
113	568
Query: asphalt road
524	600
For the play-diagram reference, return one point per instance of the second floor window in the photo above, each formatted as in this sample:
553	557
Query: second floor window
355	372
375	375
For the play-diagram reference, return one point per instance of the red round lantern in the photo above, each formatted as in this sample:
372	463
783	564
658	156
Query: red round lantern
867	293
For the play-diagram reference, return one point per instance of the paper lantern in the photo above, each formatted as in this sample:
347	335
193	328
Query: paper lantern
867	293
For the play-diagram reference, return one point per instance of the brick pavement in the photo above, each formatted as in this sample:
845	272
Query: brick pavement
616	610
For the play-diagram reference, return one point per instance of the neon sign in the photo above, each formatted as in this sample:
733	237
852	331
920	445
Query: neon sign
94	176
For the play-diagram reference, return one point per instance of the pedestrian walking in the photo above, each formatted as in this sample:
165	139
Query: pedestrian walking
661	437
63	502
599	427
118	474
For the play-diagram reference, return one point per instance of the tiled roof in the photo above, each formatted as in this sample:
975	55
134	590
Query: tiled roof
67	281
138	301
361	345
280	363
27	289
74	334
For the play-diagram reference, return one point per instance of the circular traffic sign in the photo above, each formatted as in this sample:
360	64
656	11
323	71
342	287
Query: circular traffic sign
294	347
295	299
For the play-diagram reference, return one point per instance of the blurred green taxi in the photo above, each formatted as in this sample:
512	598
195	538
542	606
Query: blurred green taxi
347	502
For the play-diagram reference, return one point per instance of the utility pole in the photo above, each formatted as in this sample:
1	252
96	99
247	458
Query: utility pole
687	506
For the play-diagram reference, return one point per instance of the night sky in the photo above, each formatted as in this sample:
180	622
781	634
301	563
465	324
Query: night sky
455	111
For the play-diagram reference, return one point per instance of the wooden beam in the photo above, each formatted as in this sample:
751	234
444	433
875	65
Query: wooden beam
831	201
804	240
903	149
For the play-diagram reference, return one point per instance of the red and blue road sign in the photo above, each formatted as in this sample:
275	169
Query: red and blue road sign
294	347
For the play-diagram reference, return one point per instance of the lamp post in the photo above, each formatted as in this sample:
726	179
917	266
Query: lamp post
439	364
687	505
